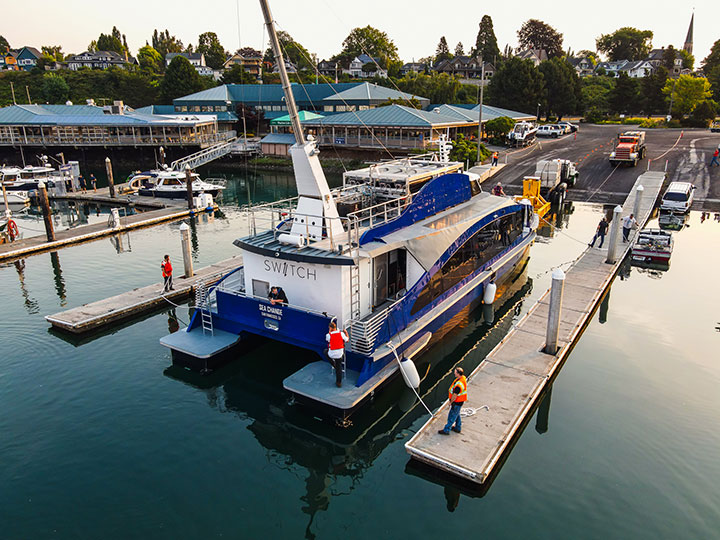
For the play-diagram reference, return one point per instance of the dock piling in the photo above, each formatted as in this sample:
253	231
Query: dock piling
614	235
638	200
111	181
188	184
47	213
553	326
187	256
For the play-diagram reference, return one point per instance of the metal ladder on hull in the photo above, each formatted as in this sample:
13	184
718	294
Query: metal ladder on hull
201	303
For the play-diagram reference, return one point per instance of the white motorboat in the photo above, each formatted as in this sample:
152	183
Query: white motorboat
171	184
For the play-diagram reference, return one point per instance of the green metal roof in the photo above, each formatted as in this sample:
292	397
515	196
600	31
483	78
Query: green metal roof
389	116
368	92
489	113
303	115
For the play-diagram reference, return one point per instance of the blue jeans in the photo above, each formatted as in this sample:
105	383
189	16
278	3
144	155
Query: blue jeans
453	417
601	236
714	161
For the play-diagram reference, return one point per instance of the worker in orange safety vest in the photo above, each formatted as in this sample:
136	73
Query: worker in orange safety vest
457	394
335	352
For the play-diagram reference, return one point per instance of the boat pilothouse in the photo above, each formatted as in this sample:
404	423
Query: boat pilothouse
392	273
19	183
170	184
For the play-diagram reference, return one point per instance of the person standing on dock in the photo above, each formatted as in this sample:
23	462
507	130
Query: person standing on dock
336	340
167	274
495	157
93	182
457	396
628	223
600	232
83	183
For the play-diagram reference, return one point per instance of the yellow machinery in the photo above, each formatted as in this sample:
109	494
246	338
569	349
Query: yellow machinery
531	192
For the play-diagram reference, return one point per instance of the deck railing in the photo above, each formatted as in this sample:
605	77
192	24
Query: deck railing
363	333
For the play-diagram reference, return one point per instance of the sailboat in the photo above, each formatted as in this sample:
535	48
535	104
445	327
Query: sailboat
391	273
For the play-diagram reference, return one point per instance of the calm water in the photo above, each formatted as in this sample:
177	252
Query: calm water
103	438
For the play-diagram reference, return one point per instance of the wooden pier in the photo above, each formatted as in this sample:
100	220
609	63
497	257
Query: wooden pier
38	244
517	371
95	315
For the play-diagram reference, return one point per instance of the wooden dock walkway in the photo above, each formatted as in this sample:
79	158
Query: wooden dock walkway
516	372
123	197
95	315
84	233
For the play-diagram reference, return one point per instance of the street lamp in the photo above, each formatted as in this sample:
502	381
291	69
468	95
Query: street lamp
538	112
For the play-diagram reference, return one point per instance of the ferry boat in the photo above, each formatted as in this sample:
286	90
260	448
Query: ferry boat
392	273
170	184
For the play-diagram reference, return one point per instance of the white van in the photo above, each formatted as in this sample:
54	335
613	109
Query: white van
678	197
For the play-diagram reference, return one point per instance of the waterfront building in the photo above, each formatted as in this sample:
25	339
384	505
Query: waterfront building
89	125
268	99
27	57
98	60
277	144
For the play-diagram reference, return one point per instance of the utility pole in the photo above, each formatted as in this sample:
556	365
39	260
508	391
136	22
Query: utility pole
672	98
12	90
480	106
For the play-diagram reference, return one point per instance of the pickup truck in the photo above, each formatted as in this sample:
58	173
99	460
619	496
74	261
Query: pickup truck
550	130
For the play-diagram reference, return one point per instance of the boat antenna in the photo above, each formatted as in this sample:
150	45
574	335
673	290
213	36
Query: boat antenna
284	79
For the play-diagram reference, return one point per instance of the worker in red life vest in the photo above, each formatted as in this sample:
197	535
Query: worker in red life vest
335	352
498	190
167	274
457	396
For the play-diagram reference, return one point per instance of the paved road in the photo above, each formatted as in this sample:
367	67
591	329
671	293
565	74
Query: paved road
602	183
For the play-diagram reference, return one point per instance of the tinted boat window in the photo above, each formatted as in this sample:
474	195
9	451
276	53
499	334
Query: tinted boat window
477	250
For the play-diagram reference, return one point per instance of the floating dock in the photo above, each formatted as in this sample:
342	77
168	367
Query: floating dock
516	372
89	317
84	233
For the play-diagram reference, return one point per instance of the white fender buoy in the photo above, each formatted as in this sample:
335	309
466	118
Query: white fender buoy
489	293
488	313
409	373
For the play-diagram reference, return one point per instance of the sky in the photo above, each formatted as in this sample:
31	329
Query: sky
322	25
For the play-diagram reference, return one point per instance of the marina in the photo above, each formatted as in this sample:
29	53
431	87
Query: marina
257	288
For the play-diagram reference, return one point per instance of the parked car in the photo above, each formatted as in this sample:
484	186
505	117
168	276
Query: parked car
550	130
678	197
569	128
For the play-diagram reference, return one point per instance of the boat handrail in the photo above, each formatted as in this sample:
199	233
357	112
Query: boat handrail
363	332
386	210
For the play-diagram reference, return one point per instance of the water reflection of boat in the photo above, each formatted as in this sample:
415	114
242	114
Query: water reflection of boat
333	457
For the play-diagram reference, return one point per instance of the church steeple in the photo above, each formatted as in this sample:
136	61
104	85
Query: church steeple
688	46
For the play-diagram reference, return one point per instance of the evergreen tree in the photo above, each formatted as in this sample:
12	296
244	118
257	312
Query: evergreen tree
626	43
668	58
486	42
111	42
712	61
55	89
518	85
209	45
562	87
237	75
535	34
443	51
459	49
180	79
624	98
164	43
651	88
150	60
4	45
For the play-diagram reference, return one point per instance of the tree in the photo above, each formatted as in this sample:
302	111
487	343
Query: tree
237	75
464	150
55	89
4	45
590	55
704	113
499	127
688	60
686	93
713	59
54	52
626	43
562	87
293	51
624	98
209	45
180	79
651	89
110	42
668	58
459	49
595	94
518	85
164	43
150	60
443	51
486	43
248	52
370	41
714	78
535	34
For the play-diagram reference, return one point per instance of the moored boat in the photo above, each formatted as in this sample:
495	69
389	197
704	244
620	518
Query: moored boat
171	184
653	246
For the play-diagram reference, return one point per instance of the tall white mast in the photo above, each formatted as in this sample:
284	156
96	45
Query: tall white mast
315	200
